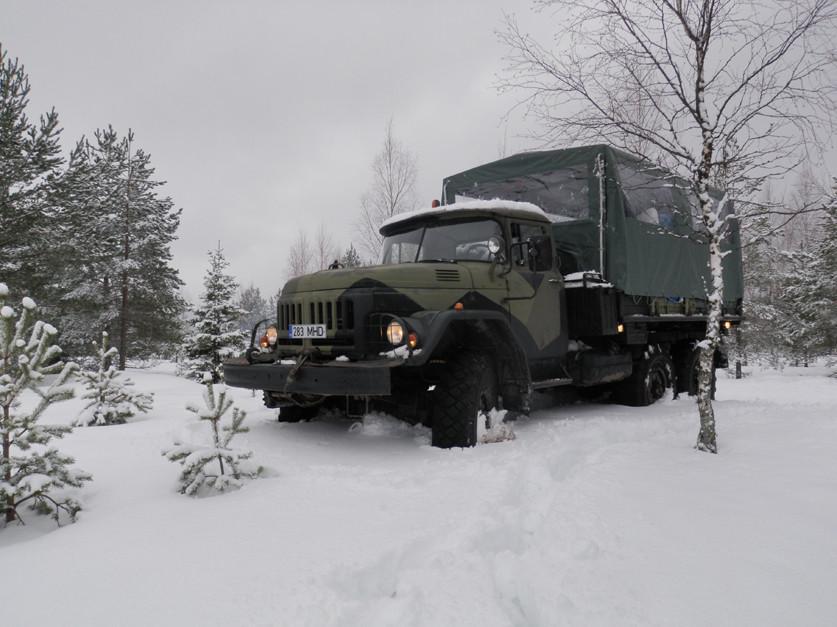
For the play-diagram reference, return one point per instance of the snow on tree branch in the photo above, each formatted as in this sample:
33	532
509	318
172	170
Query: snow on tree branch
214	465
109	397
31	470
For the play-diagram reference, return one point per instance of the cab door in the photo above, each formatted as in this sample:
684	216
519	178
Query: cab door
535	297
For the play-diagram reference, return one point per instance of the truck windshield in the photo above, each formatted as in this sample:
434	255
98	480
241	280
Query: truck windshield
441	241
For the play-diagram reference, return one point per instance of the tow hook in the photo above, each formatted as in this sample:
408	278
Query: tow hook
292	374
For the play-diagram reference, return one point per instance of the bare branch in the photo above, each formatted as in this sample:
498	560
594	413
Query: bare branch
392	191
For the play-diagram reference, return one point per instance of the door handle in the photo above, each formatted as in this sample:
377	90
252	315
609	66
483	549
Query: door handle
554	280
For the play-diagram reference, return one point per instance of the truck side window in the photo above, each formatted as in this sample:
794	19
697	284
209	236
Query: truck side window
540	248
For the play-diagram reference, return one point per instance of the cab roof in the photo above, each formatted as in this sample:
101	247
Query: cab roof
507	208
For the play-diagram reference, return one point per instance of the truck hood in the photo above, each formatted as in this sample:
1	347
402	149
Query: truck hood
402	276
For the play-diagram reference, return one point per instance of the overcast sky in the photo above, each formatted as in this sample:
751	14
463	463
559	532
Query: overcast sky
264	117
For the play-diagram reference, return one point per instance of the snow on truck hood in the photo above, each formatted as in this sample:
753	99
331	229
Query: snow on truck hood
526	209
394	276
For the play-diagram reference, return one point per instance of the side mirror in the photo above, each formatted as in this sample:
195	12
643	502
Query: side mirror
519	253
540	253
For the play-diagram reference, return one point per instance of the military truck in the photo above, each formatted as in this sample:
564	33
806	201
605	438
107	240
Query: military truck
582	267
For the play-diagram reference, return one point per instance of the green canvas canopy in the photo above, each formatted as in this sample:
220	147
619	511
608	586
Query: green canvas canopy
635	223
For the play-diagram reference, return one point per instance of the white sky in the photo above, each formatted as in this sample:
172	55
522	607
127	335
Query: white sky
264	117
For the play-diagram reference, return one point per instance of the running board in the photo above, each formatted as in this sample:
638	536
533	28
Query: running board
550	383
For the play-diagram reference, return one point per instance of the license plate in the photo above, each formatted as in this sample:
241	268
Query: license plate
306	331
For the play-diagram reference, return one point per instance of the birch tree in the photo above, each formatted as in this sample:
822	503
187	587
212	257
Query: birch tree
300	256
392	191
741	86
306	256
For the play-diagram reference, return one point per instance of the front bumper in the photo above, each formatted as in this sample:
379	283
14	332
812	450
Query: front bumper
368	378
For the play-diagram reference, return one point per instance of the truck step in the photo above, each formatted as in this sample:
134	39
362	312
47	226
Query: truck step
550	383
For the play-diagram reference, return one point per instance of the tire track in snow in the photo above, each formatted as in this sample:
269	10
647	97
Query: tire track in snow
482	572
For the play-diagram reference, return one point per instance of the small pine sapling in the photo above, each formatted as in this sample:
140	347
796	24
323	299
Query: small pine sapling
110	399
31	469
216	465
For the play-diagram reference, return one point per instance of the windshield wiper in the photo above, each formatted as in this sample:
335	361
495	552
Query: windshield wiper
439	260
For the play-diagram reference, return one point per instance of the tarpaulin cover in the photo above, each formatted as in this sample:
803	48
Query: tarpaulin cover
653	244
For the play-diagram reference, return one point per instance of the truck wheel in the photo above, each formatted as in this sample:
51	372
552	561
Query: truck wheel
649	381
687	373
269	401
467	392
295	413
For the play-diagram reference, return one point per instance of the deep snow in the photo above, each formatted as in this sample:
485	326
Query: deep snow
594	515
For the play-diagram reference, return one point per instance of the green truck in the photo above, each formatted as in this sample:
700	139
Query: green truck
582	267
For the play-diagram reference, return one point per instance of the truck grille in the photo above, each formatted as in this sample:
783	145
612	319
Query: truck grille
337	315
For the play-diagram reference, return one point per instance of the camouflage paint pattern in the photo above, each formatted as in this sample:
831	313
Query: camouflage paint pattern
530	301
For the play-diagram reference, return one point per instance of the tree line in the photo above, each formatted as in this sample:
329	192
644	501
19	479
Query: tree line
790	279
89	235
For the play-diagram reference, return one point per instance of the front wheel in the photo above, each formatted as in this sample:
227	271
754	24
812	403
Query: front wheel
295	413
463	399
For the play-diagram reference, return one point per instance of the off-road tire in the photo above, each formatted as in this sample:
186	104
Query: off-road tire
651	377
468	388
269	401
687	372
295	413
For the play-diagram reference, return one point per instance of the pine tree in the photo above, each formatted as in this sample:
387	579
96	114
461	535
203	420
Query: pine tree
216	335
273	303
110	399
254	309
117	233
30	158
215	465
31	469
351	258
822	284
799	305
827	271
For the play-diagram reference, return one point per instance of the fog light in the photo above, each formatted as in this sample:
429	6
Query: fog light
620	328
395	333
727	324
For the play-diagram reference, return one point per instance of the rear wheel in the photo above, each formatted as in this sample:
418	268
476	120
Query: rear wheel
652	375
462	399
688	367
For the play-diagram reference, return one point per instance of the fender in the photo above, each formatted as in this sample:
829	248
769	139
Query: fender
491	330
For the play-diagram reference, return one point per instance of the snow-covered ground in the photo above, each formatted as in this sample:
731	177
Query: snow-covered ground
594	515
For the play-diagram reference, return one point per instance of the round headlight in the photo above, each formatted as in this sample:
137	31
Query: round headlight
395	333
272	335
495	244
